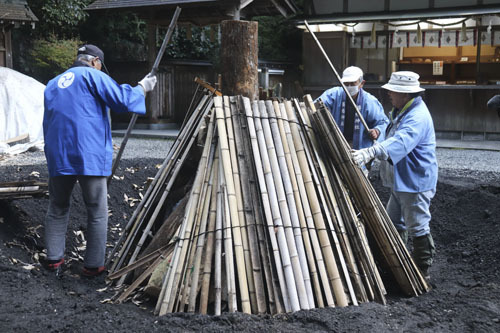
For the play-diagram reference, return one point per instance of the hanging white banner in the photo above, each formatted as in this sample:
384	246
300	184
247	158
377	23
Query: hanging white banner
468	40
496	38
432	38
356	42
414	40
486	37
368	43
449	38
399	40
382	42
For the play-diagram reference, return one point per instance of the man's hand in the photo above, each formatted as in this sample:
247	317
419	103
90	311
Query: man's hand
148	83
374	134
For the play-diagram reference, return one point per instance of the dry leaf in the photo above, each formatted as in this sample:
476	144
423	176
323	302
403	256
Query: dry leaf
102	289
28	267
107	300
35	174
125	197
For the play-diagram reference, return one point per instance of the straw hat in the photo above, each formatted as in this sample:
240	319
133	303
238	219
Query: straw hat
404	82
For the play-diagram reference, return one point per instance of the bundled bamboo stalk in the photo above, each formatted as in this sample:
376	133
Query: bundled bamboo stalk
375	216
225	157
272	222
169	169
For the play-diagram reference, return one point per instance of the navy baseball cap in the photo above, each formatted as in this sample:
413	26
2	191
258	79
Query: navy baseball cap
91	50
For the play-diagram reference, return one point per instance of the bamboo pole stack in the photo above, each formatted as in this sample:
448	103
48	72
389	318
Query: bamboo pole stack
275	222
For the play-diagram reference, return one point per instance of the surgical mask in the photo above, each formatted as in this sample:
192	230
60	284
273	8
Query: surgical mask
353	90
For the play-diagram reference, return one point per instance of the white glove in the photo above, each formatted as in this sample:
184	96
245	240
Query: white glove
148	83
365	155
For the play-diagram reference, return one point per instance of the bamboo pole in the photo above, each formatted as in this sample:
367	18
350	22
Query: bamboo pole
239	202
253	145
166	303
285	191
218	245
228	243
238	246
141	210
201	241
375	216
273	220
294	172
317	172
175	166
207	268
245	197
331	265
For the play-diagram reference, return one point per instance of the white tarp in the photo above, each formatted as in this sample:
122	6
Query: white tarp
21	110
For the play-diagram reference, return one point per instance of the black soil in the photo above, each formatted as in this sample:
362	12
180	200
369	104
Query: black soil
466	297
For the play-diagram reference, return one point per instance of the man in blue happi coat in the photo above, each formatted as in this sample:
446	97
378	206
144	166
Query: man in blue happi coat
346	117
408	165
78	147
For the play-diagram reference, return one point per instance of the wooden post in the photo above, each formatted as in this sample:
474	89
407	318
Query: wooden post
239	58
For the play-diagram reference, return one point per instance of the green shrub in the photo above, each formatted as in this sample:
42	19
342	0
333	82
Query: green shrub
52	57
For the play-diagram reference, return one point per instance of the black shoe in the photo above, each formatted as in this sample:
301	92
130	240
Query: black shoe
53	265
94	271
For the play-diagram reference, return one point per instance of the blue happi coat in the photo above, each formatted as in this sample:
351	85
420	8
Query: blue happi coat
370	108
412	149
75	123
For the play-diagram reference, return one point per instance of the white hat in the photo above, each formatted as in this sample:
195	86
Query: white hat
352	74
404	82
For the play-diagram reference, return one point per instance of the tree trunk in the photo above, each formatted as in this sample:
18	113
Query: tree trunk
239	58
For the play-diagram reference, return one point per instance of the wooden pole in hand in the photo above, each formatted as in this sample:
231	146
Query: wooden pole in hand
170	30
338	77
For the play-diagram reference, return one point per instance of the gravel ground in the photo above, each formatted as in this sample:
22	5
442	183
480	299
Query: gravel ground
454	159
136	148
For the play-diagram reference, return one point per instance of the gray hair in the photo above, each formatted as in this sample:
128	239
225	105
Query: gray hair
85	57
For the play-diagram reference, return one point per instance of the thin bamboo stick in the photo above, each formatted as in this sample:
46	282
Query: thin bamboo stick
210	243
317	172
218	244
331	265
239	202
172	278
287	205
271	209
193	291
245	195
293	170
228	245
233	209
274	275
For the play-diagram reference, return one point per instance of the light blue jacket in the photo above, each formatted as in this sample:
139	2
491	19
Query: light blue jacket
75	122
412	150
370	108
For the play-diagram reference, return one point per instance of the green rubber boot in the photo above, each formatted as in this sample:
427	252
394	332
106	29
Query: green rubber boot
423	253
404	236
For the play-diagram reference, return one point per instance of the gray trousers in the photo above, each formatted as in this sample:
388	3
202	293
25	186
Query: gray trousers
95	196
410	211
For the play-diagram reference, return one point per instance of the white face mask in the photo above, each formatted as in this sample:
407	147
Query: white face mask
353	90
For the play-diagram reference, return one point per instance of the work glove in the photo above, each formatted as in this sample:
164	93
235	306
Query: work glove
365	155
148	83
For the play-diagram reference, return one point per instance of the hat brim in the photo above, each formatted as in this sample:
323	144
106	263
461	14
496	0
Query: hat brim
350	79
402	89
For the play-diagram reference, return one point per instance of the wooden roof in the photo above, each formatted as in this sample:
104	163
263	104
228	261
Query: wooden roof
199	12
15	11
